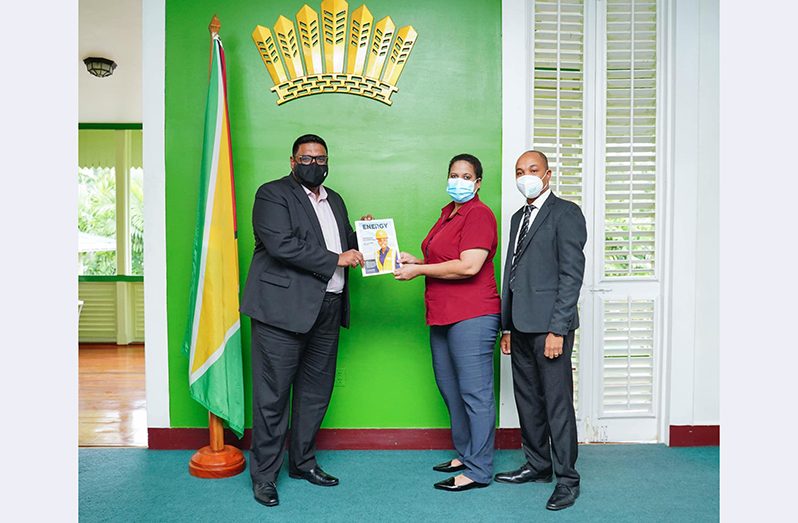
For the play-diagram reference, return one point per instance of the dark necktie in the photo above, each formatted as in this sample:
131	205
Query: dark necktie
521	236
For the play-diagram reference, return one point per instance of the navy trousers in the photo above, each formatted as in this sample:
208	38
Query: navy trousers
462	357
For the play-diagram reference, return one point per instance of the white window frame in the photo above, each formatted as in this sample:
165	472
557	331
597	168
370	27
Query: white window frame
517	53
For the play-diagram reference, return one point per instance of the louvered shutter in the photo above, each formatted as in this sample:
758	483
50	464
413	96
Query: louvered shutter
558	92
628	339
138	311
627	307
594	114
97	322
557	102
630	134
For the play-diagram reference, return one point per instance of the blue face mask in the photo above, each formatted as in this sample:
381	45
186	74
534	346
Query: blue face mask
460	190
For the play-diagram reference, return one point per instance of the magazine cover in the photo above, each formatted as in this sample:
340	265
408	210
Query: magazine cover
377	241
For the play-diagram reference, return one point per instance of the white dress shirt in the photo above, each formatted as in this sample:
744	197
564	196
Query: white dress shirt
329	228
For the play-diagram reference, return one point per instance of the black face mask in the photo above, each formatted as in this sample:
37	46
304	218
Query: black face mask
311	175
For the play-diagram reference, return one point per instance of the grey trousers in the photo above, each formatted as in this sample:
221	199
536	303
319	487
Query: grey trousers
283	362
462	357
544	392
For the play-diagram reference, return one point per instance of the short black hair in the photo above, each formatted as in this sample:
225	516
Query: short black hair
470	158
307	138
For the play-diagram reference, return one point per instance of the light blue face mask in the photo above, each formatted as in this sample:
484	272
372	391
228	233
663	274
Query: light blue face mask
460	190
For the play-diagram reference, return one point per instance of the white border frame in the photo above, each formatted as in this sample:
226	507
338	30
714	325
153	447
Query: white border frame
516	50
156	340
665	88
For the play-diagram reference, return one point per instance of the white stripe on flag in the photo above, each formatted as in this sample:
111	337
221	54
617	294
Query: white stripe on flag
215	356
209	199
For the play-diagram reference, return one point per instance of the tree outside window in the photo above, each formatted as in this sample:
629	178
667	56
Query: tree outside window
97	221
100	219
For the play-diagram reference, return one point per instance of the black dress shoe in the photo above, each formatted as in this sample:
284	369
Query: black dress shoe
266	493
523	475
563	497
448	485
315	476
448	467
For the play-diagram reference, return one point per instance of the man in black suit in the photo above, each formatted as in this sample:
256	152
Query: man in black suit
542	279
297	295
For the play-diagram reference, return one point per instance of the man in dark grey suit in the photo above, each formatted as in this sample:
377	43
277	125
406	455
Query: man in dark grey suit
297	295
542	279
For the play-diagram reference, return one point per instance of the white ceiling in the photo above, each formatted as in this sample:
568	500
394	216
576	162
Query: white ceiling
110	29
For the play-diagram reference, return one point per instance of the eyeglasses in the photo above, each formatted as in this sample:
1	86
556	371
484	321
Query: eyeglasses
307	160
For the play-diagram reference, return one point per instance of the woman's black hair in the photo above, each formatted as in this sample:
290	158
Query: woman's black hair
470	158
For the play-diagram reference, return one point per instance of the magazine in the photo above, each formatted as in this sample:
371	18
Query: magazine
377	241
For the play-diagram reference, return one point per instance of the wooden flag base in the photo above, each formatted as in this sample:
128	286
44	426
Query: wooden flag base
213	464
216	460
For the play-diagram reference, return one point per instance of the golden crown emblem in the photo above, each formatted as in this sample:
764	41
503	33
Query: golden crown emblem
294	75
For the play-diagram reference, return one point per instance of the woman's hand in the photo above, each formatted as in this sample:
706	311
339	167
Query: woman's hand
504	343
366	218
406	272
406	257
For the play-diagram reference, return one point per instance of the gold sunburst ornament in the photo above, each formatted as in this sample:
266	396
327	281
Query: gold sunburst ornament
328	56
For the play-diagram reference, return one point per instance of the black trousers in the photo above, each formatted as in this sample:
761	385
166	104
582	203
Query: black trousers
544	390
282	360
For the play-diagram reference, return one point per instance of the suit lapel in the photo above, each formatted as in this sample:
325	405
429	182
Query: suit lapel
543	213
299	193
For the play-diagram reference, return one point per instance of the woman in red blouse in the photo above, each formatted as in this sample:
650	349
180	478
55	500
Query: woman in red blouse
463	312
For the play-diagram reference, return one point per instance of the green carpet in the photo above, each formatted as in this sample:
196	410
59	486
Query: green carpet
619	483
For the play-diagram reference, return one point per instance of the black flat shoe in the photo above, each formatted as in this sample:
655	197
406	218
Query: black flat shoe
315	476
266	493
448	467
448	485
563	497
523	475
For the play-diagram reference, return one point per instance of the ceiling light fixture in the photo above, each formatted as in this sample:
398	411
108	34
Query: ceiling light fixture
100	67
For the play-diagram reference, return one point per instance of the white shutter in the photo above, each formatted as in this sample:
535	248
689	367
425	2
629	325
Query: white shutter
558	91
594	114
630	131
628	361
557	101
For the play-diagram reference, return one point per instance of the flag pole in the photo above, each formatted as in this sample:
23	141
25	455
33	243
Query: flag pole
216	460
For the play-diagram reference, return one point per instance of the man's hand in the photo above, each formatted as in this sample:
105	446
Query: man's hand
406	257
350	258
504	343
553	346
406	272
366	218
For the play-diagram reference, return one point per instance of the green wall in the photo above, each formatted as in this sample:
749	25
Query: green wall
387	161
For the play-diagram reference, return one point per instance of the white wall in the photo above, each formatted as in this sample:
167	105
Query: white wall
156	345
110	29
515	138
694	374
